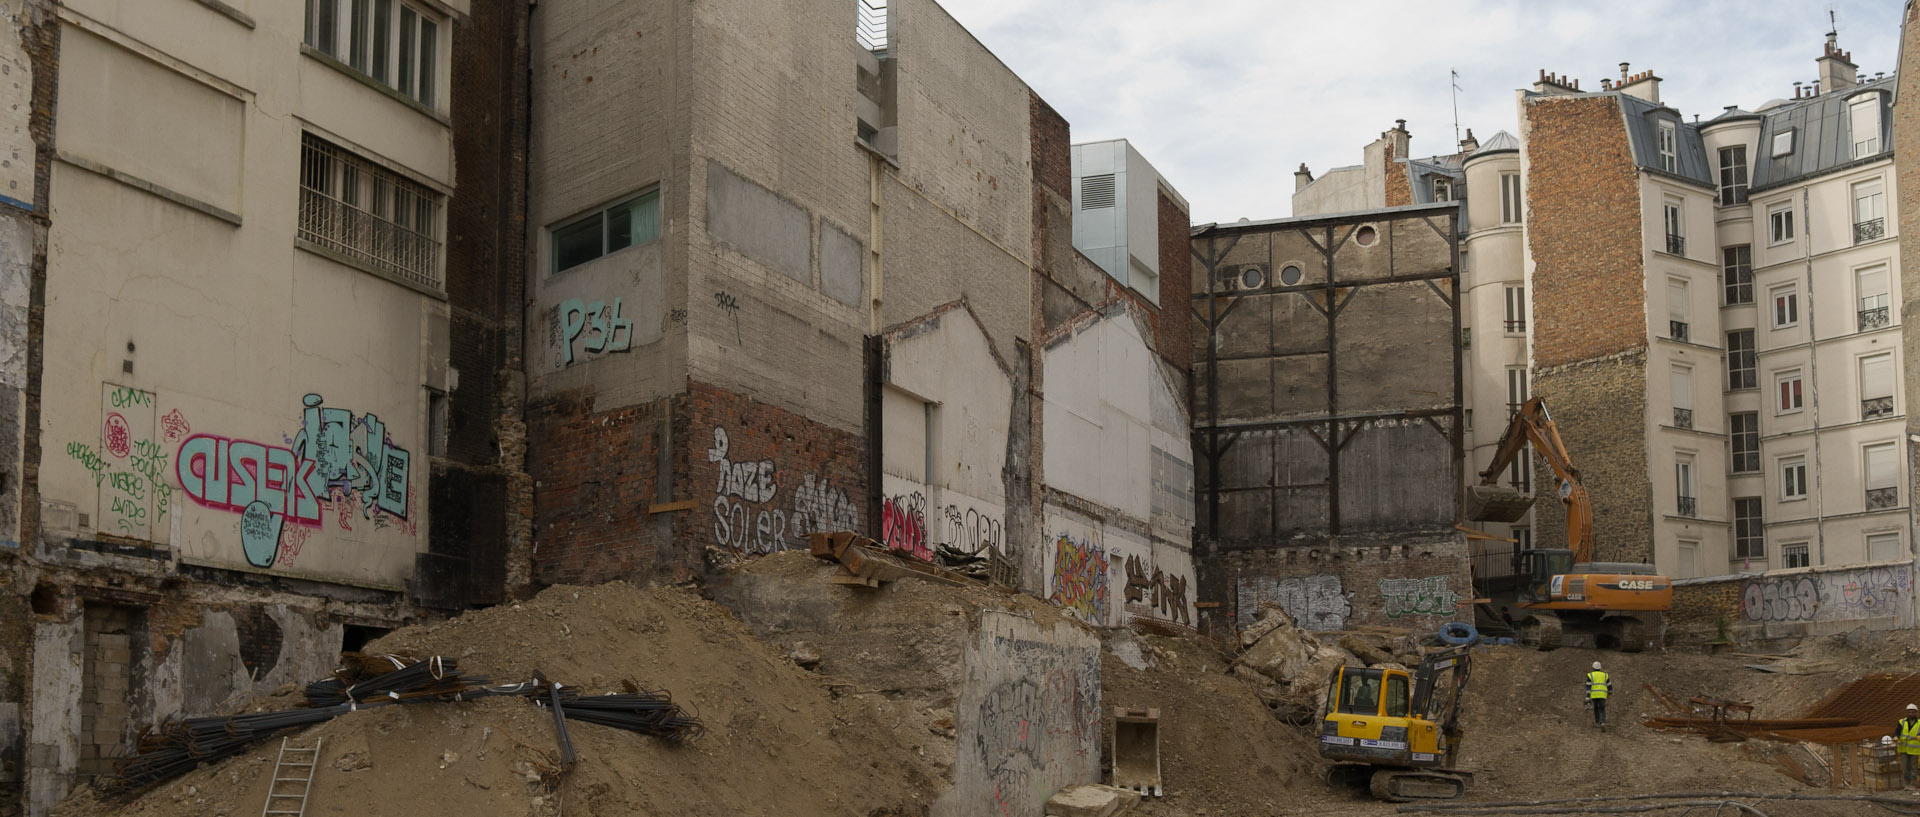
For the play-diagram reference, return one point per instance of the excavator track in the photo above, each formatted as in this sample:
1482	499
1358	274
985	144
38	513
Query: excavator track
1542	631
1408	785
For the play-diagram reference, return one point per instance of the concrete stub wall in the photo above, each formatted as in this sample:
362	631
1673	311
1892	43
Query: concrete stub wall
1028	716
1796	603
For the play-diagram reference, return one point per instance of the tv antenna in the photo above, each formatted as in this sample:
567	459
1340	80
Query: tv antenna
1456	103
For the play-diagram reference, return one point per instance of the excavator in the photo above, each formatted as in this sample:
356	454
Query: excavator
1569	599
1396	732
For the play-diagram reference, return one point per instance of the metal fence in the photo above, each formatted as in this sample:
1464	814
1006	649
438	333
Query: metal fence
1869	230
1875	318
368	213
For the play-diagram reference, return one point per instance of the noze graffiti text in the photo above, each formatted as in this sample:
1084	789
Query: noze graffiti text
1080	577
744	516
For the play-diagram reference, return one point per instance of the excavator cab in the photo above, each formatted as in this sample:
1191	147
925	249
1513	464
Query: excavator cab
1395	730
1540	566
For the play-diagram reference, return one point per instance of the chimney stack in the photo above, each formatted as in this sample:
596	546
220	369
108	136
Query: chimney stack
1837	71
1556	84
1302	178
1643	85
1469	144
1401	139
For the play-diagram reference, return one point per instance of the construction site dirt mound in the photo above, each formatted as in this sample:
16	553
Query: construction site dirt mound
776	741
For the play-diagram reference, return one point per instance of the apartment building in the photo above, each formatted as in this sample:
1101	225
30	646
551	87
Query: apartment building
235	416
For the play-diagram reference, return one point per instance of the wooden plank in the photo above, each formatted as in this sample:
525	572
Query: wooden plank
669	507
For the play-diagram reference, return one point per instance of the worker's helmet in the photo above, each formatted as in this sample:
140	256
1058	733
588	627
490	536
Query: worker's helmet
1912	708
1596	665
1886	740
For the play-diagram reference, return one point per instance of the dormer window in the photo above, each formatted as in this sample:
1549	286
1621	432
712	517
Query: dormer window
1863	113
1783	143
1442	189
1669	148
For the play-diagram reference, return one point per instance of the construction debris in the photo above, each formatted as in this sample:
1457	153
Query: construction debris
1277	651
1090	800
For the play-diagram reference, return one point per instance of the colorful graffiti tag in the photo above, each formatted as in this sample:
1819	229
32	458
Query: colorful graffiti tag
1080	577
903	525
605	330
746	516
336	459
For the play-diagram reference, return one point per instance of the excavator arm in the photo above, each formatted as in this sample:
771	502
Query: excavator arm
1532	424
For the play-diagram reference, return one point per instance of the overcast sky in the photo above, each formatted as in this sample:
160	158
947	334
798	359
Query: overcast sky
1228	97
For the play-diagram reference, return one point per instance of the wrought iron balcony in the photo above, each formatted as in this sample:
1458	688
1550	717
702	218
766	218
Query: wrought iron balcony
1873	407
1676	244
1869	230
1881	498
1689	506
1875	318
1683	418
1677	330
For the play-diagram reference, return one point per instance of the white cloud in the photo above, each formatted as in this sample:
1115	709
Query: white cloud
1227	97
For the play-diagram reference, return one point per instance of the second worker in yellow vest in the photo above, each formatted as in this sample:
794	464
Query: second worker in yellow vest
1598	685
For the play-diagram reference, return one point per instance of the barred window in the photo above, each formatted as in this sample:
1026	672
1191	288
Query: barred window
368	214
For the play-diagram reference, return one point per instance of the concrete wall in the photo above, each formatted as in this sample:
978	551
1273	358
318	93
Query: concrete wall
1414	582
1339	190
1797	603
1028	716
950	407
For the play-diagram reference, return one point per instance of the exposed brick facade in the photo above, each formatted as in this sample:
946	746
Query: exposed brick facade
1599	406
1399	192
1704	612
1583	198
1172	324
597	476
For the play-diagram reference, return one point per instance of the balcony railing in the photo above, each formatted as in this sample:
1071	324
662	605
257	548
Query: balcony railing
1875	318
1517	326
1869	230
1882	498
1676	244
1677	330
1876	407
1689	506
1683	418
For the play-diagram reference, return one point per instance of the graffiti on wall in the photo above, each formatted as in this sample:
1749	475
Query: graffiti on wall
1039	720
747	515
596	326
970	531
1165	593
129	469
1428	596
903	525
337	460
1315	602
1079	581
1842	595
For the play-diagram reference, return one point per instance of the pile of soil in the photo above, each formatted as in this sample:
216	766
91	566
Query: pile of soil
777	741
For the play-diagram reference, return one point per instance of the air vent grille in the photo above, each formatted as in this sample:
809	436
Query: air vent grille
1096	191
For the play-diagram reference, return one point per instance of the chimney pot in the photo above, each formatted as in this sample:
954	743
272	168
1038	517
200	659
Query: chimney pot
1623	72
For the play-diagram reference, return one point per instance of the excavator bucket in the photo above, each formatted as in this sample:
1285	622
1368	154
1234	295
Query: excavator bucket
1492	503
1136	750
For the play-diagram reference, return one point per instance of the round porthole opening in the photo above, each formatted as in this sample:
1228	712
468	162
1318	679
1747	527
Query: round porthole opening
1365	236
1290	275
1252	277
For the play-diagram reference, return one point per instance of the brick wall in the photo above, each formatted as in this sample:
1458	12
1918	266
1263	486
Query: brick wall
1399	192
1600	408
597	476
1583	197
1703	612
1172	322
786	475
1412	582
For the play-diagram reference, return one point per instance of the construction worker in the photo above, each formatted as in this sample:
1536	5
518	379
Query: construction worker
1598	685
1909	733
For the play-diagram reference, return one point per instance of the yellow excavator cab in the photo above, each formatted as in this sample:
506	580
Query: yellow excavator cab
1396	730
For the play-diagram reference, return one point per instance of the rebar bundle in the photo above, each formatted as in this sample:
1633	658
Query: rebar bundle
649	713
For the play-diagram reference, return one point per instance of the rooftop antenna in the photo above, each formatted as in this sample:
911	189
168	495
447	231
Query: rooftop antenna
1456	104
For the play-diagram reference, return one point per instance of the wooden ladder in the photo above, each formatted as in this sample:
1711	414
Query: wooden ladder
294	770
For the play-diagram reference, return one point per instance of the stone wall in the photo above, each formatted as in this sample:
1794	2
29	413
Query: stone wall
1599	406
1412	582
1795	603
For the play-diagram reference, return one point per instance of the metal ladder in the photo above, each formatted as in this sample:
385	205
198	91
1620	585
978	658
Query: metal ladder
294	769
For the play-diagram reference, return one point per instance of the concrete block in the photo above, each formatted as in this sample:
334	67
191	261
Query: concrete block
1091	800
842	260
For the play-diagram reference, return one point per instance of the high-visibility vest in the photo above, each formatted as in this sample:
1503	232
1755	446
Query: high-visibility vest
1597	684
1910	736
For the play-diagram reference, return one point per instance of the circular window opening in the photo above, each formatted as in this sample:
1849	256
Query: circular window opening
1252	278
1290	275
1365	236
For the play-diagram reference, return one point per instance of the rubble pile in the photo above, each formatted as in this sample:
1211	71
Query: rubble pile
1291	665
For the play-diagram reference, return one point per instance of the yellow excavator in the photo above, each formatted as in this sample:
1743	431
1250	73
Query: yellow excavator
1397	732
1568	599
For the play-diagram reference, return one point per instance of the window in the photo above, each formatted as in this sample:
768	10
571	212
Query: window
1398	699
1793	478
395	43
1876	386
1520	474
1469	419
1522	538
870	25
1682	397
1780	221
1870	285
1748	540
1789	392
1740	360
1442	189
1795	555
1869	211
1687	503
1516	310
1864	114
1676	233
1689	559
1466	337
1736	270
1679	301
1783	143
1669	153
1745	432
1885	547
370	216
1786	306
1510	198
631	222
1733	175
1516	388
1883	476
